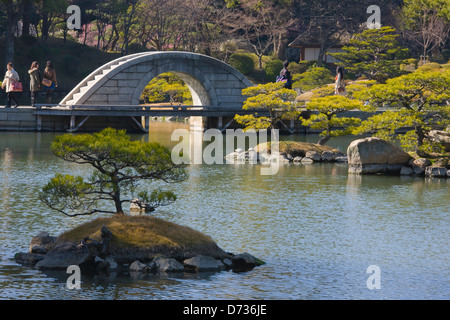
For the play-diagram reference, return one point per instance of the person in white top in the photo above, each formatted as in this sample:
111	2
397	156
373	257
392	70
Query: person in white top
10	76
339	87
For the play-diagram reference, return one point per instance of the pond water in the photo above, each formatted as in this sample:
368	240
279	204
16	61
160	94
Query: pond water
318	229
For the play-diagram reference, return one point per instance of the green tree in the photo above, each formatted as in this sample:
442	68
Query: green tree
272	98
167	85
52	13
374	53
416	100
313	78
326	119
119	166
426	23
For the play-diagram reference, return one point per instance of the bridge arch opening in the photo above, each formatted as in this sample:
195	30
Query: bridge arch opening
200	87
172	86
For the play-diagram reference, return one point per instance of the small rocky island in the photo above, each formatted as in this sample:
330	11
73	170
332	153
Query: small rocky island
288	152
132	244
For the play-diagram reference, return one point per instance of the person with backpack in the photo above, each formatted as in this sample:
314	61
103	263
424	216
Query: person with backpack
285	76
11	76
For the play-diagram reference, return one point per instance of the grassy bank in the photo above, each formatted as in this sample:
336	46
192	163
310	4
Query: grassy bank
138	231
145	237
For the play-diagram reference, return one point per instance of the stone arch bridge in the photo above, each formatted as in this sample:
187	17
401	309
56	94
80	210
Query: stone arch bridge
122	81
213	84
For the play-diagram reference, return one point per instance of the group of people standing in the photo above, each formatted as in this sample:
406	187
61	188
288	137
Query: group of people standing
38	82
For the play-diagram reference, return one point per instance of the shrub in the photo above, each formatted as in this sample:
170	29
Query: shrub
302	66
409	65
272	69
432	66
313	78
243	62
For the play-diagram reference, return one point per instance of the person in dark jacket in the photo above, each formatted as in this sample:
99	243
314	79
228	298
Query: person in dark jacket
286	74
49	81
35	81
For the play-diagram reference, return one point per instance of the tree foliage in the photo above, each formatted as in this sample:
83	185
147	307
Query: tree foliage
326	117
167	86
426	23
313	78
120	166
272	98
417	100
374	53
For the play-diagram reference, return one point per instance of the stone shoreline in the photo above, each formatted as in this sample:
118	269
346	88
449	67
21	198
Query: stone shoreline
253	157
47	253
376	156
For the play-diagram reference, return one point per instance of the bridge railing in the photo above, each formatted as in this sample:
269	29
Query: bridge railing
134	108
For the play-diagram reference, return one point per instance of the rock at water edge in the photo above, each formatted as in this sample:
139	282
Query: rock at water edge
168	265
203	263
374	155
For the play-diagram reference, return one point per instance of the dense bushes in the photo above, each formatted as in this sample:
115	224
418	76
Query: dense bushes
243	62
272	69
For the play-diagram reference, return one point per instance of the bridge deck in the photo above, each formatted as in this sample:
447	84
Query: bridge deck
139	111
136	112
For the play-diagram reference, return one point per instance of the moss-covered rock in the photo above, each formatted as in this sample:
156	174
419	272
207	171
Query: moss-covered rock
145	237
295	148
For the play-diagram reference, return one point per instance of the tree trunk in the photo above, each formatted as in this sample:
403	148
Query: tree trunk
322	50
420	135
26	17
118	202
9	43
45	26
323	140
65	33
420	139
13	13
260	60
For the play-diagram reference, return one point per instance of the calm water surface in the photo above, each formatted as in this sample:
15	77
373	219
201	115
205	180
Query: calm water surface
317	228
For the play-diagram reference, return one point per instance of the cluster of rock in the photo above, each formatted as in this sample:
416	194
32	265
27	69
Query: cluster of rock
47	253
253	157
442	137
237	263
374	155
